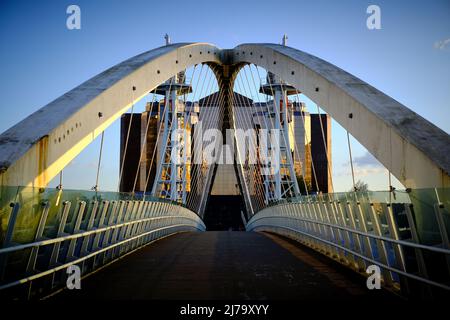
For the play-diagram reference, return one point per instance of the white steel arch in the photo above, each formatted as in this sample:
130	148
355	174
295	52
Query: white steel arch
413	149
36	149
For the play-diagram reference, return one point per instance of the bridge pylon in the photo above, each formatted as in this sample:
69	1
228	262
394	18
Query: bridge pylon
282	182
170	180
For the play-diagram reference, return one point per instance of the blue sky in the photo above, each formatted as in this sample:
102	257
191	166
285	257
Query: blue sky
40	59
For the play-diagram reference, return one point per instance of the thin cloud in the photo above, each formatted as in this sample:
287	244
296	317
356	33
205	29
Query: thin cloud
442	45
363	166
363	172
366	160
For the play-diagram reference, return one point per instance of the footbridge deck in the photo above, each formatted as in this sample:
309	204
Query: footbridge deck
224	265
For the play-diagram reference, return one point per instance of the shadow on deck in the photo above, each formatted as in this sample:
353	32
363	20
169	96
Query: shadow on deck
225	265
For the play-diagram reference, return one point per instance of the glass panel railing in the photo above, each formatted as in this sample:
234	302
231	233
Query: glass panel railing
424	212
407	230
32	202
427	209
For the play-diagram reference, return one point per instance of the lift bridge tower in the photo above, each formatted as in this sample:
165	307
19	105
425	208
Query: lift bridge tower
282	181
170	180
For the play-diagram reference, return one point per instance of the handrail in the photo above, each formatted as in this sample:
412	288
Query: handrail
83	234
362	232
366	234
93	254
114	228
430	282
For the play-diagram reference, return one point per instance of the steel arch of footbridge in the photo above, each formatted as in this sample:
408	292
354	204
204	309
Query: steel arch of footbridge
36	149
412	148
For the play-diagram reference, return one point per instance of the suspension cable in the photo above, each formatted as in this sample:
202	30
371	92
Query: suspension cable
192	180
255	110
391	187
284	133
143	144
351	161
238	152
326	148
290	128
313	167
197	177
272	123
59	187
163	151
244	120
211	118
286	146
156	143
95	188
126	141
186	122
240	84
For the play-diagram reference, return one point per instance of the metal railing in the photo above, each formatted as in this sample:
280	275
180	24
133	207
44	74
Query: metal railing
48	231
404	233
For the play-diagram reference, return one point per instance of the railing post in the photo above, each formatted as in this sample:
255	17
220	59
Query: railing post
347	238
155	223
8	237
319	233
337	235
135	227
282	213
421	265
89	226
127	218
439	210
139	215
363	227
333	252
309	227
114	205
31	265
128	231
123	230
393	230
307	213
115	234
76	229
109	234
11	224
298	224
381	245
101	223
60	233
142	226
356	238
296	209
353	244
154	212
